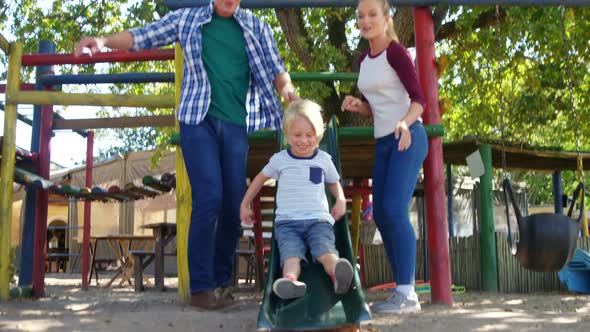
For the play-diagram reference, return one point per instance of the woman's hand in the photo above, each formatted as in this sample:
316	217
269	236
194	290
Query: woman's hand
402	132
352	104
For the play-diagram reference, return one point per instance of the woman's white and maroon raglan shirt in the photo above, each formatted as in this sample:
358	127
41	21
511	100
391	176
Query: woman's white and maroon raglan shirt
389	83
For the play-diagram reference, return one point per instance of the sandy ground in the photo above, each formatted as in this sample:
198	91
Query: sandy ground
67	308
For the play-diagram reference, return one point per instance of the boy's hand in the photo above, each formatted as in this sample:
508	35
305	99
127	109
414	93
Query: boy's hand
246	214
339	209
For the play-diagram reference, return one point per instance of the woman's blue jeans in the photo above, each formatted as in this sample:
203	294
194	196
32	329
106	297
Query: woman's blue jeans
394	179
215	154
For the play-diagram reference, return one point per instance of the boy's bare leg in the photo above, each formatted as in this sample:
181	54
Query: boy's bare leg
292	267
288	287
339	269
328	260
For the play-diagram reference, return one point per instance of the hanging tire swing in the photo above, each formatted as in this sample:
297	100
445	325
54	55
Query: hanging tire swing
547	241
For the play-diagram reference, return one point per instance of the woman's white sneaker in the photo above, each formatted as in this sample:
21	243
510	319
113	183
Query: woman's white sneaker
398	303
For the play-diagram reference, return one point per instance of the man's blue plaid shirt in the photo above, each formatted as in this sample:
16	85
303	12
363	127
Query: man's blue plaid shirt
184	26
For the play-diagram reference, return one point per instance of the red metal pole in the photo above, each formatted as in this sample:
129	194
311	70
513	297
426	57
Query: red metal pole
434	190
258	241
87	207
23	87
116	56
42	200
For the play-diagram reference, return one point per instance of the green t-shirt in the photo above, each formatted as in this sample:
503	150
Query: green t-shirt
226	63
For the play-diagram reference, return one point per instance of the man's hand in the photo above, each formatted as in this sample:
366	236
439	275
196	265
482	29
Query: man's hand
288	93
94	44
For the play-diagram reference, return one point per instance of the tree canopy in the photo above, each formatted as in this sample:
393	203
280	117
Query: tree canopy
512	67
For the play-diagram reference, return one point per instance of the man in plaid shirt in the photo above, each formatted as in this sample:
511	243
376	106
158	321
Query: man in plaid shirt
232	69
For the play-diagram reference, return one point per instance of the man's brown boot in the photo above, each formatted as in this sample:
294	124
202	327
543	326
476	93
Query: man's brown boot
225	293
204	300
208	300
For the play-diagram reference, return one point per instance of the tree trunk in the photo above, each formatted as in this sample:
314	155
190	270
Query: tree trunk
291	20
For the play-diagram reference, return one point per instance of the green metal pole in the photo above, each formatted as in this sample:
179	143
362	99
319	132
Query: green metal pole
489	260
325	76
346	133
7	168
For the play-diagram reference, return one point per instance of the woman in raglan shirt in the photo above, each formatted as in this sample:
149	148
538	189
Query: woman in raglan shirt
391	94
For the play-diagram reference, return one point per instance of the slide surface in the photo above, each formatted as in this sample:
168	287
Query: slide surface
319	308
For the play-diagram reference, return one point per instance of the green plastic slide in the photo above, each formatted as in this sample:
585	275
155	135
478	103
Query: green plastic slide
319	308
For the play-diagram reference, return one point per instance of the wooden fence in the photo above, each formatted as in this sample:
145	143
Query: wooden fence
465	266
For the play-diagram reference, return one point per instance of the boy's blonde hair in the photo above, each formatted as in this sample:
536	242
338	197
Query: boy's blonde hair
307	109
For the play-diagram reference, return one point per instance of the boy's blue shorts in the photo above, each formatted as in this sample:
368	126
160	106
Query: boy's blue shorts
295	236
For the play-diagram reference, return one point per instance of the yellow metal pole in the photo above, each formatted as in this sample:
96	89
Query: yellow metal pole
4	45
355	223
89	99
7	168
183	198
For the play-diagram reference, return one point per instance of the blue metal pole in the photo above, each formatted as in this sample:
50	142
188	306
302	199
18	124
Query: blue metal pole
108	78
27	244
175	4
557	193
169	78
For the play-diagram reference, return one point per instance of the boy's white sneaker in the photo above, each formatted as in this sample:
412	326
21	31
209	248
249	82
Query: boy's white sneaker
343	274
286	288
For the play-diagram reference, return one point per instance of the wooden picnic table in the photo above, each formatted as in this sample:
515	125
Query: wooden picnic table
120	246
163	234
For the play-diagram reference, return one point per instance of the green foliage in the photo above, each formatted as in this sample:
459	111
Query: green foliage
528	69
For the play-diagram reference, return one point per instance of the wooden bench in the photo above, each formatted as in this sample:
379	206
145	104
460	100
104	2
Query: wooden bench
141	259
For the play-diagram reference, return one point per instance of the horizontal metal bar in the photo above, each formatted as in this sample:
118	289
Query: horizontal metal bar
169	77
122	122
62	255
64	227
175	4
325	76
89	99
116	56
348	133
57	117
23	87
108	78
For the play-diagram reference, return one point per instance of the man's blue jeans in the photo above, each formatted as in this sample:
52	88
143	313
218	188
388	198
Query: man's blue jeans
215	154
394	180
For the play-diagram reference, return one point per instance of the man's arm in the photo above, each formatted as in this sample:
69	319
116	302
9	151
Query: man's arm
119	41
